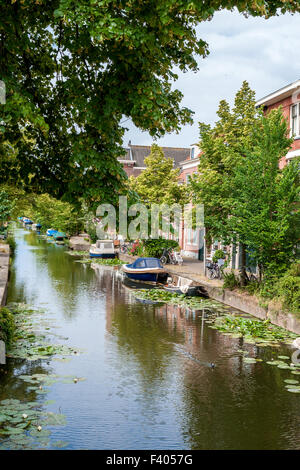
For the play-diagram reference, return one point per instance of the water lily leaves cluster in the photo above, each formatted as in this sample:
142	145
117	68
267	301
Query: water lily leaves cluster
291	385
195	303
29	343
252	330
103	262
22	425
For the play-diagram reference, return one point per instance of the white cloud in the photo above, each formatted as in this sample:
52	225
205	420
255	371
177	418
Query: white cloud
263	52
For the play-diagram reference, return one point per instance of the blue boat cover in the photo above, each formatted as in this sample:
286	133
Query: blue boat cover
51	232
149	263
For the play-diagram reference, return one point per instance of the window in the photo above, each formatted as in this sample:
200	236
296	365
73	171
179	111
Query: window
192	153
140	264
295	120
192	237
188	178
153	263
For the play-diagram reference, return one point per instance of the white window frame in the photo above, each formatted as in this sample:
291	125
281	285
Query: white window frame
295	120
192	237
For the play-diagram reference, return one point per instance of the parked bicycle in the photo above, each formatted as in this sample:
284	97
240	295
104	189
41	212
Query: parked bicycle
169	256
249	275
124	247
214	271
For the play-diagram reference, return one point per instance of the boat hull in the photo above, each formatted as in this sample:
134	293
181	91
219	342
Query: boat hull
146	270
192	291
103	255
156	277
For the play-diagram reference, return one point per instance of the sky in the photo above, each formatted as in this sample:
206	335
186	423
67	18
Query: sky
263	52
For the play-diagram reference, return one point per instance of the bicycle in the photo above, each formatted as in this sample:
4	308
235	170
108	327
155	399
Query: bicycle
124	248
249	277
171	256
214	271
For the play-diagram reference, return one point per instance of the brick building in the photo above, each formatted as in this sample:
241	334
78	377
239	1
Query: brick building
289	98
191	241
133	161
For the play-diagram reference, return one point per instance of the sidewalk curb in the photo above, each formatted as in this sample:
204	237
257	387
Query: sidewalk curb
242	301
4	272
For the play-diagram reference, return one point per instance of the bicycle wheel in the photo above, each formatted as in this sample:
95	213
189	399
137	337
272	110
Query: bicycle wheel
211	274
163	260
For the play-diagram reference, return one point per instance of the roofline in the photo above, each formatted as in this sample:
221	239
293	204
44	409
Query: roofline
190	160
149	147
282	92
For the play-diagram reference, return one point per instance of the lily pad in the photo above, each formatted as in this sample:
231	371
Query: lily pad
249	360
59	444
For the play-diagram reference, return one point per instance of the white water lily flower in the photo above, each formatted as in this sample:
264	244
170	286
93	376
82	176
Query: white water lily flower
24	416
39	428
75	380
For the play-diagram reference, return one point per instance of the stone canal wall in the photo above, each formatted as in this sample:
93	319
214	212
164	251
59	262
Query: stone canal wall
4	270
239	300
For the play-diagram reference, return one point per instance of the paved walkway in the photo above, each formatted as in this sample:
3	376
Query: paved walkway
4	268
194	270
190	269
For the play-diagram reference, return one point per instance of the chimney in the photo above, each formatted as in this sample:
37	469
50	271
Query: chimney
129	143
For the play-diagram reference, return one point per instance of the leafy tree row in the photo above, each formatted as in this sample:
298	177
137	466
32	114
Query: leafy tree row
247	197
42	208
75	70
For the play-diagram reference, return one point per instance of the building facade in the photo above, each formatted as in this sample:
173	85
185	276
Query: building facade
191	241
288	98
133	160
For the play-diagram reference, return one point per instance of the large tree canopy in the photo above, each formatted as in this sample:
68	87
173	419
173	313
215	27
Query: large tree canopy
74	69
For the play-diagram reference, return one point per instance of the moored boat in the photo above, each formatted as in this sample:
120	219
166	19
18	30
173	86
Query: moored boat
59	236
103	249
50	232
146	269
189	291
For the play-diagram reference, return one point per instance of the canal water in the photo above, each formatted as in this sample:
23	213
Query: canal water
148	381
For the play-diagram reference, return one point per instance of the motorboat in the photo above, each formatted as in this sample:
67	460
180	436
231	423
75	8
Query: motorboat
146	269
51	232
59	236
182	286
103	249
189	291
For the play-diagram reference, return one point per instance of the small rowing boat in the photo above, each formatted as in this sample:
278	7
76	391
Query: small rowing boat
146	269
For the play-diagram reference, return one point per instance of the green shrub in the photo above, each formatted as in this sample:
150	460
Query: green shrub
7	325
12	243
252	287
155	247
288	288
230	281
91	229
218	254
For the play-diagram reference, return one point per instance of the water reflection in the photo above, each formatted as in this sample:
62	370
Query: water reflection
149	383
